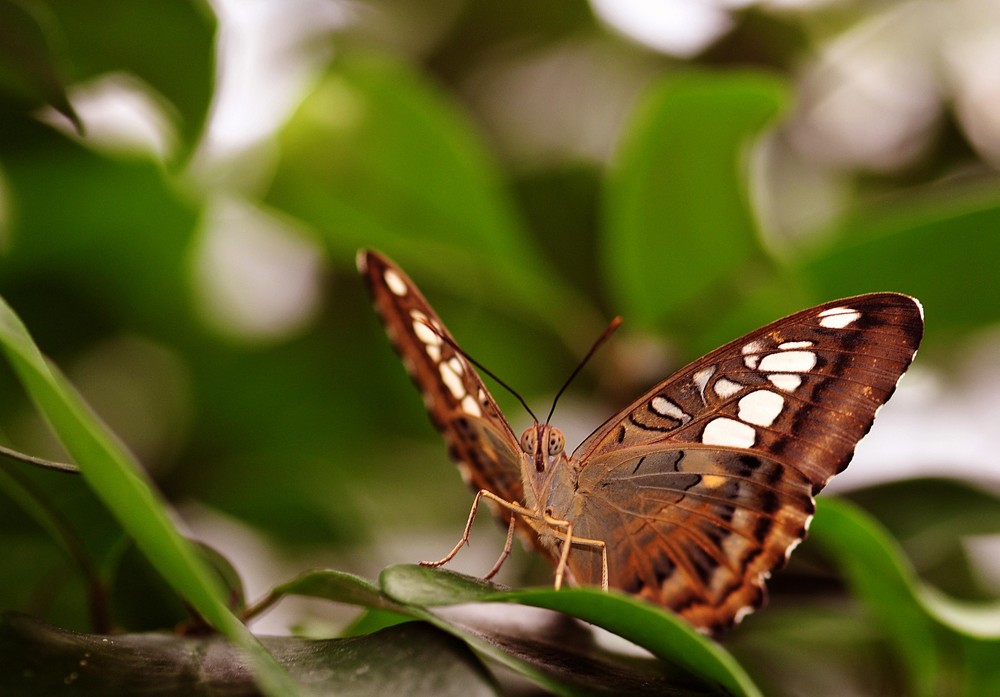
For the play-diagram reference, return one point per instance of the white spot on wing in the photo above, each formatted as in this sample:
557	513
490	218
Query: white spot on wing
751	353
456	364
726	388
838	317
394	282
795	345
425	333
452	381
728	432
470	406
785	381
433	352
789	362
761	407
701	379
664	407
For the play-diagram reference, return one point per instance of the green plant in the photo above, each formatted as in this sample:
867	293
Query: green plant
312	436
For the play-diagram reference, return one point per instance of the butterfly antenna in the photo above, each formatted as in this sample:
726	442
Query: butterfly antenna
459	350
615	323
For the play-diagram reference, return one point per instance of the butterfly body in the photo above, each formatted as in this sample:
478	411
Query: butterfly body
694	493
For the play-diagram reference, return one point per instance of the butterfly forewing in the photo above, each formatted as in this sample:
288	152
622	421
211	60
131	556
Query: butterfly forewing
705	483
804	388
478	437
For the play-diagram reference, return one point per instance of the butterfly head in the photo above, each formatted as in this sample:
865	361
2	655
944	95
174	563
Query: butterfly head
544	444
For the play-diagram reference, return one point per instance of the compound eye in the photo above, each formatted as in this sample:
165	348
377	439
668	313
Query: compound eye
557	442
528	441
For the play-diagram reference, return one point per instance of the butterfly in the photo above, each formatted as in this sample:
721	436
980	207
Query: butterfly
694	493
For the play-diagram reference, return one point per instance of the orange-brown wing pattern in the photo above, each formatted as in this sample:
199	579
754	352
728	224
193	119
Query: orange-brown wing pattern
478	437
704	485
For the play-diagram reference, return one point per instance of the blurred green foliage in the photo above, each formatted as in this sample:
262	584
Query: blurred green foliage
307	431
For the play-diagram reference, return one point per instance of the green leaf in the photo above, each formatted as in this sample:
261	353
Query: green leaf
29	71
677	222
554	652
131	498
336	586
169	44
663	634
880	576
938	251
960	509
376	156
934	635
119	237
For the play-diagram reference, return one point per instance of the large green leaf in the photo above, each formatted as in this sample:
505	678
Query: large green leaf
169	44
943	252
947	647
114	234
678	226
30	72
376	156
126	492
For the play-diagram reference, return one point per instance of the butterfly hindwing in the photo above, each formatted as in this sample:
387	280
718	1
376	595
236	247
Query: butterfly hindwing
704	485
479	439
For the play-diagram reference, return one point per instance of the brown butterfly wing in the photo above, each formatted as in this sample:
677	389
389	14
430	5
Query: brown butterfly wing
479	439
704	485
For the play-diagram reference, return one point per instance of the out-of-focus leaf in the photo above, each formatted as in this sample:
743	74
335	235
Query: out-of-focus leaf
826	649
948	646
566	233
377	157
37	498
143	601
169	44
116	232
127	493
410	659
28	69
960	509
879	575
943	253
677	223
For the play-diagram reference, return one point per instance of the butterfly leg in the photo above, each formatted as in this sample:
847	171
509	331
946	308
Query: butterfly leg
506	549
568	542
582	541
564	555
465	535
513	507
